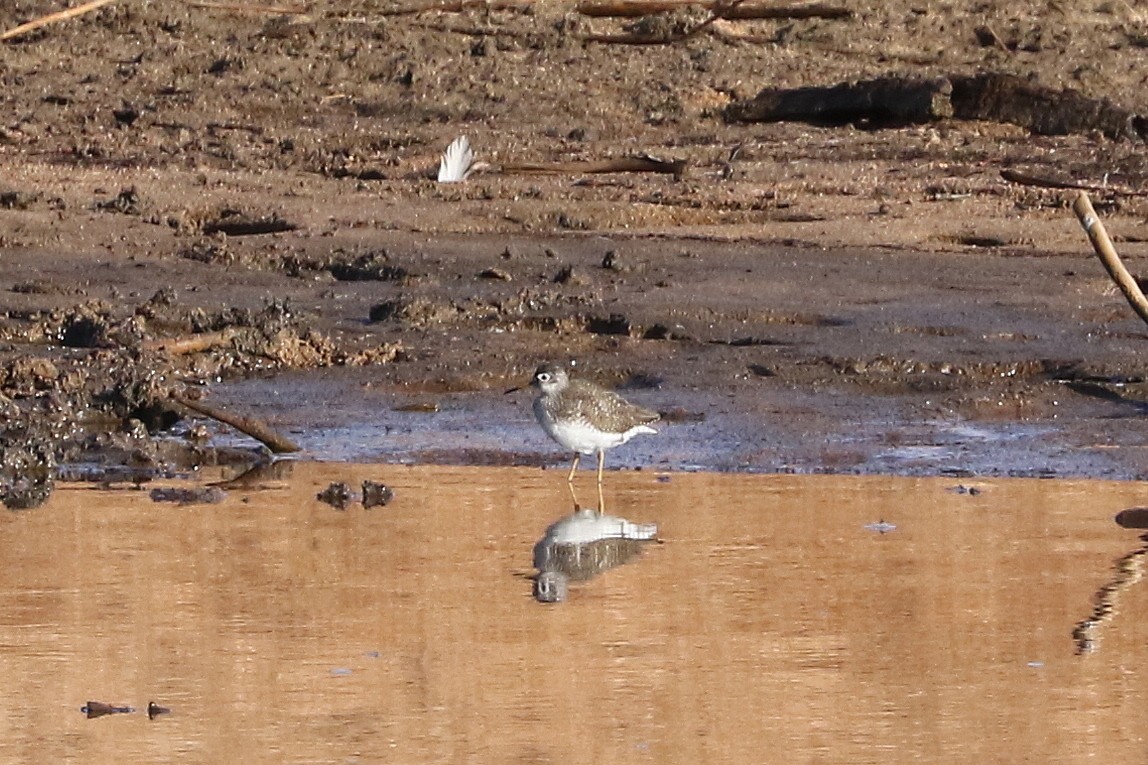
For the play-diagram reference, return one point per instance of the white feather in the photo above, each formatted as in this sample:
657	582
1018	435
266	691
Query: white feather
457	161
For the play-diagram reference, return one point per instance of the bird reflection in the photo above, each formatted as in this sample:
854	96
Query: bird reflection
582	545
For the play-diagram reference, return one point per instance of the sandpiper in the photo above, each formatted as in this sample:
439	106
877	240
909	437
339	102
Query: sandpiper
584	417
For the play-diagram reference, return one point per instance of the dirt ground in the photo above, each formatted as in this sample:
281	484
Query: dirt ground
795	287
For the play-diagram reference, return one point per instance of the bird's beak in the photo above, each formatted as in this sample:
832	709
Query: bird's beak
514	390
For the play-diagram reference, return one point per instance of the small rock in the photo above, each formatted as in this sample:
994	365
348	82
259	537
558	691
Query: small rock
494	273
617	324
376	494
199	495
568	275
17	200
612	261
338	495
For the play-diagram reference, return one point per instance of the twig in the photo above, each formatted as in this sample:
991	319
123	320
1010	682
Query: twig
458	6
244	8
1026	179
622	165
1107	254
257	429
182	346
635	8
51	18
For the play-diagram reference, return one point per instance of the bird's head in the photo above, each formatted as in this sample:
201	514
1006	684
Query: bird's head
550	378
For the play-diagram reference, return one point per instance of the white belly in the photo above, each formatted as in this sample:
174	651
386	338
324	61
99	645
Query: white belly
580	437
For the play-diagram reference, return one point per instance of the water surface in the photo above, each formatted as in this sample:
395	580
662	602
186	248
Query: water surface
777	619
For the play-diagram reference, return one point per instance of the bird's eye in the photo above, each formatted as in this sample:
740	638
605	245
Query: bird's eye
543	377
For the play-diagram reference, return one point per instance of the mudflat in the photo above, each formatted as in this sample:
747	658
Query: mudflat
198	199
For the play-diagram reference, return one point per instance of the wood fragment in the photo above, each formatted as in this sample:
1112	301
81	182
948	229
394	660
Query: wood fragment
622	165
744	11
883	101
257	429
896	101
181	346
1102	244
246	227
458	6
1028	179
272	10
52	18
1025	179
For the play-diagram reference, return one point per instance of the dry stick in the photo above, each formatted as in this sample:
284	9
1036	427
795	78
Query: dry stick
622	165
180	346
1027	179
51	18
269	9
1024	179
458	6
635	8
1107	254
258	430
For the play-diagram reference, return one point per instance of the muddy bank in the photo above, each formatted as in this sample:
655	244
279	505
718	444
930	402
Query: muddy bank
760	357
196	202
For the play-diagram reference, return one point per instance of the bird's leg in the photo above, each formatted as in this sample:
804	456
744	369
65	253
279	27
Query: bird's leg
601	463
574	467
601	501
573	496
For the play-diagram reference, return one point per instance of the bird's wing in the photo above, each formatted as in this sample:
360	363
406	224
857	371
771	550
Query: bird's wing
593	401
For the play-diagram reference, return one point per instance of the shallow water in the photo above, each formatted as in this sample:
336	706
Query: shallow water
782	619
345	416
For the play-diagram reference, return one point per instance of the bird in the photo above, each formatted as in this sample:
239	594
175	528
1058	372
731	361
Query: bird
585	418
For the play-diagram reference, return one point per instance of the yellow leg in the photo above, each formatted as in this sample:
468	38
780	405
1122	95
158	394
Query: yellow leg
601	462
574	467
573	496
601	501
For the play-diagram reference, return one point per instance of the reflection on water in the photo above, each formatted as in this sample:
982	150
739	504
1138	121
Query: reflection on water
582	545
99	709
775	622
1127	573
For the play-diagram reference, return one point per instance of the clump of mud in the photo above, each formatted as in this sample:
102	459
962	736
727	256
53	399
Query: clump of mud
340	495
97	383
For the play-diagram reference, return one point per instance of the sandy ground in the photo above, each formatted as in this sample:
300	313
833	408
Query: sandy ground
802	298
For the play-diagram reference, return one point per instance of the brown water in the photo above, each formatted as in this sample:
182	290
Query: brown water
771	625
